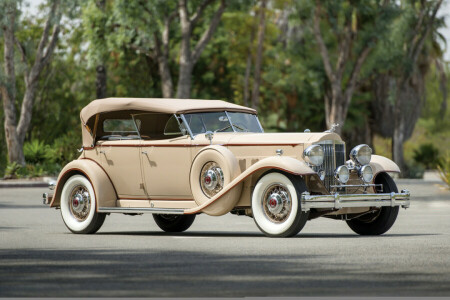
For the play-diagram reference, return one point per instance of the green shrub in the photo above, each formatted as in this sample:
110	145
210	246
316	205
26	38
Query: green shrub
35	152
427	155
64	149
413	170
444	169
14	170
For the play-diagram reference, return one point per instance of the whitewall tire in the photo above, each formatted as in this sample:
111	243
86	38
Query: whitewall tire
78	206
276	204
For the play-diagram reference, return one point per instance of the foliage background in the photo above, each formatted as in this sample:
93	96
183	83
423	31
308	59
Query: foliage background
291	93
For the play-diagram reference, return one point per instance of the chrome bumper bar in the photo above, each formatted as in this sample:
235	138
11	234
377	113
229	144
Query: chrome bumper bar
338	201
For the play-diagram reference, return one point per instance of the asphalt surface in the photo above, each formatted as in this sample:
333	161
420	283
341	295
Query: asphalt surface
223	256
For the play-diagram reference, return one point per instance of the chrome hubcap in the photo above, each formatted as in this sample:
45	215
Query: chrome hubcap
80	202
277	203
211	179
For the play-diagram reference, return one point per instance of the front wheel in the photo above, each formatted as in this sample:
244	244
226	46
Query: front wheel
78	206
276	204
381	220
174	223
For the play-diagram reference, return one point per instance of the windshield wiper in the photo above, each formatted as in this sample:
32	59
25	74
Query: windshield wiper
236	126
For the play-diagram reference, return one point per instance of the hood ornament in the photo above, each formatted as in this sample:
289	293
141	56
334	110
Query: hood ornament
333	127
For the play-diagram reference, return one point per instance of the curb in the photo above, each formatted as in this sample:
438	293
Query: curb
23	184
41	182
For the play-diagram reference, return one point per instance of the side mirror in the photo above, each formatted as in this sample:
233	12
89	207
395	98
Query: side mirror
209	135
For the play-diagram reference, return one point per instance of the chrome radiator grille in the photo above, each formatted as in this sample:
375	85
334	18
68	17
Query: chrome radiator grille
334	156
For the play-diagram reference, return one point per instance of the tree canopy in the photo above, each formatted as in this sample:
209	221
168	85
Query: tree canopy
374	67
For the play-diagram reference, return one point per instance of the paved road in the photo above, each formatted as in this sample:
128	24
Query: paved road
223	256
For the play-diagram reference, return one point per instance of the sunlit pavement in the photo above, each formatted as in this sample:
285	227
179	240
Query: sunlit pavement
223	256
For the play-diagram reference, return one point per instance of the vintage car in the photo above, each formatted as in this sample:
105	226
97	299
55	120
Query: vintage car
176	158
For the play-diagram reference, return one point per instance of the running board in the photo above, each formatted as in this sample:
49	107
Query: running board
141	210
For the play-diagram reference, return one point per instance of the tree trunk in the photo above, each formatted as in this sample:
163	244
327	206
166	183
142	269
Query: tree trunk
398	139
184	79
258	59
335	113
26	110
15	132
166	78
248	68
189	58
8	91
100	82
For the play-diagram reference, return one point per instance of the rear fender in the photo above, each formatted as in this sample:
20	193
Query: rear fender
105	193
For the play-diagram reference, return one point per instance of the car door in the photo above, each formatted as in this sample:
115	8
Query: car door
119	144
166	158
122	163
166	165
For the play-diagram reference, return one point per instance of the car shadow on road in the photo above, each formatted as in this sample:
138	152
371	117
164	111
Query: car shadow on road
87	272
251	234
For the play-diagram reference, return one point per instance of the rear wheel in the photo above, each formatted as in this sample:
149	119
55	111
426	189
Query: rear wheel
276	204
78	206
174	223
381	220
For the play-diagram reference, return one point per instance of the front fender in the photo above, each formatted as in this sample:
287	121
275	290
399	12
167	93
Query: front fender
104	190
282	163
383	164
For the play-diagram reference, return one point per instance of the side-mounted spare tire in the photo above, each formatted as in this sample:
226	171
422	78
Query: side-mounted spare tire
213	169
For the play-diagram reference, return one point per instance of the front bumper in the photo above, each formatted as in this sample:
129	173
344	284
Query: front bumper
338	201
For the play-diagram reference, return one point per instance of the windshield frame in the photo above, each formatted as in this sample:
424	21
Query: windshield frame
232	126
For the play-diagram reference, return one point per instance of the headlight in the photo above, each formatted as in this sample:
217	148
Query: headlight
366	173
314	155
361	154
342	174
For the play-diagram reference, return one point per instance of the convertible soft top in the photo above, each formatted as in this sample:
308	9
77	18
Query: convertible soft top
171	106
156	105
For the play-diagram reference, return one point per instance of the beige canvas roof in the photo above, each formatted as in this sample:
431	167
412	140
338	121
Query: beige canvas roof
171	106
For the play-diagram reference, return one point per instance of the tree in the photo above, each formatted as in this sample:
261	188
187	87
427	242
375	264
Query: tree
147	27
354	29
15	130
400	87
407	104
259	52
95	20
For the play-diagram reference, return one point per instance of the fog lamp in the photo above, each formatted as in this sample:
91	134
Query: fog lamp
342	174
366	173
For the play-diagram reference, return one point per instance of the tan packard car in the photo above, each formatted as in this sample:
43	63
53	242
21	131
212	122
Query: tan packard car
178	158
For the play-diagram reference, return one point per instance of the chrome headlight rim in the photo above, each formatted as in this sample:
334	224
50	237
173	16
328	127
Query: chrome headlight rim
358	156
342	174
314	155
366	173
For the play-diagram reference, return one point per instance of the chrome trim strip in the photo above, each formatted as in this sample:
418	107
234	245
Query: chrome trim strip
355	185
187	126
141	210
338	201
229	120
259	123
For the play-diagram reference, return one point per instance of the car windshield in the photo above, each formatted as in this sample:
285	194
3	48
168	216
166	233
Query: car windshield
222	122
